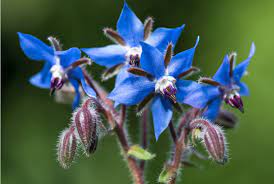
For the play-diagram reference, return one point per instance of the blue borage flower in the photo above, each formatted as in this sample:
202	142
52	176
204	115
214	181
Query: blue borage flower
58	67
225	86
160	80
127	50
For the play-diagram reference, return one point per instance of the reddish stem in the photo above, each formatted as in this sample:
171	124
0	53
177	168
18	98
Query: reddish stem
118	127
144	136
172	132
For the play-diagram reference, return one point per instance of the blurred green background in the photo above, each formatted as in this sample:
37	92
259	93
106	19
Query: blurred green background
31	121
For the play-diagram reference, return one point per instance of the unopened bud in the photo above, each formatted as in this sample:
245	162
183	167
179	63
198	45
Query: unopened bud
86	120
67	147
226	119
213	139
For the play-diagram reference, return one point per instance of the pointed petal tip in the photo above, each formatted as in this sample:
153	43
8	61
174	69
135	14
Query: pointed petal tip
19	33
252	50
125	3
182	26
156	136
197	41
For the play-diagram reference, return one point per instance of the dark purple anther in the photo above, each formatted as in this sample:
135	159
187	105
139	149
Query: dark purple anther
170	92
55	84
234	100
134	60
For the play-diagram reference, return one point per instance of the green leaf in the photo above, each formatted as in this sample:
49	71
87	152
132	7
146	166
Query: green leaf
140	153
166	175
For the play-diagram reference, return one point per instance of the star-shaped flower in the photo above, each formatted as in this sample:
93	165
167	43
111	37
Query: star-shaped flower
225	86
59	66
127	50
159	78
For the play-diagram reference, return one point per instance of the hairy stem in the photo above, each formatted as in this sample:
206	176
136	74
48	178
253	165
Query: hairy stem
176	160
191	114
172	131
118	127
144	137
122	115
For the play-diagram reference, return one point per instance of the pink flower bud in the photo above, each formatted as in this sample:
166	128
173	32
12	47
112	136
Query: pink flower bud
66	147
85	120
213	139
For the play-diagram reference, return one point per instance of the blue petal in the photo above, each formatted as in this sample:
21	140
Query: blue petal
182	61
69	56
184	88
213	109
35	49
130	27
77	97
42	79
152	60
201	96
162	114
132	90
244	91
222	74
241	68
122	75
88	90
161	37
107	56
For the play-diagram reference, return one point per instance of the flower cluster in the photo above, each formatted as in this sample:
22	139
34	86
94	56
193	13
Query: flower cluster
149	75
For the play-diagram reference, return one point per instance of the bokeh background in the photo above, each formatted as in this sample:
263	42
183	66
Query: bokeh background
31	120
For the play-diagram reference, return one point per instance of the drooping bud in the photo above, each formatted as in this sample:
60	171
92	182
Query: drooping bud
226	119
86	121
212	138
133	56
166	86
234	100
66	147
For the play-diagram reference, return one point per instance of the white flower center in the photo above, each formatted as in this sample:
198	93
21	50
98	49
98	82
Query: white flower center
164	83
133	55
166	86
57	70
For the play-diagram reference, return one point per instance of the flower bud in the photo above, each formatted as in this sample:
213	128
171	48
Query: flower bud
85	120
66	147
212	137
227	119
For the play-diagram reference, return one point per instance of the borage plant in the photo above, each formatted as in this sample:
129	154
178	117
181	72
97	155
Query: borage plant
149	76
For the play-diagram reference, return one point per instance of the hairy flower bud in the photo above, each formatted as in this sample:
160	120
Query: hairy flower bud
86	121
212	137
66	147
